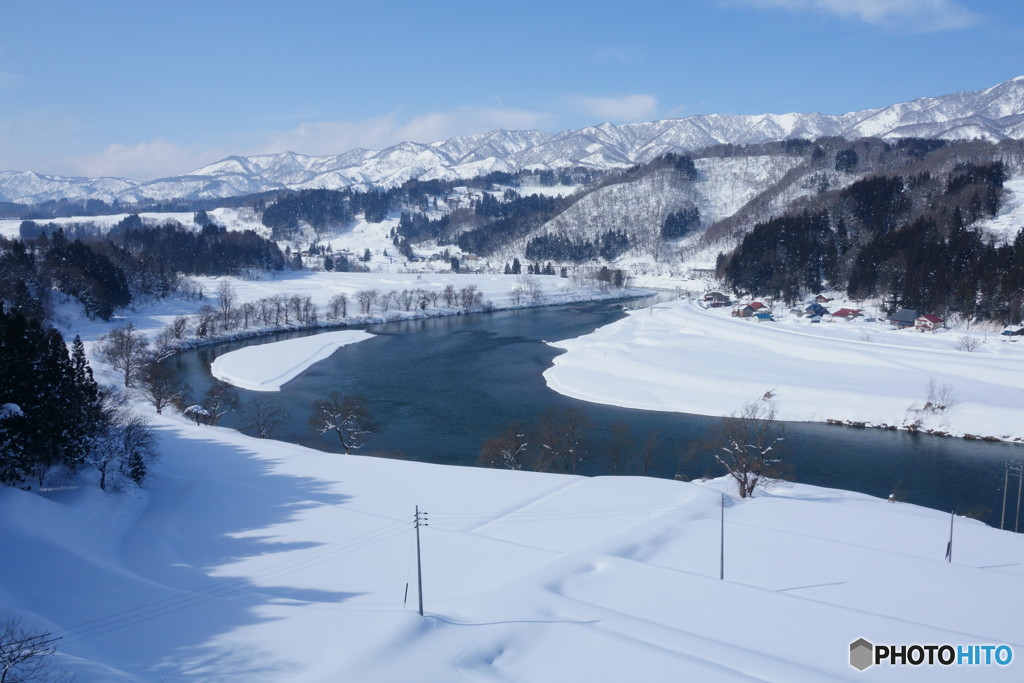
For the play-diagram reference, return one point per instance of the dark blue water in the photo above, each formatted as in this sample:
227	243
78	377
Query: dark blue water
439	388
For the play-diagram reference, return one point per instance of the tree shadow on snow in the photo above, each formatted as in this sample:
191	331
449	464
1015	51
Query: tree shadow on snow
207	557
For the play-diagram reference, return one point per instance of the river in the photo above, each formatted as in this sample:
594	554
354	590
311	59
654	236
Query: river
438	388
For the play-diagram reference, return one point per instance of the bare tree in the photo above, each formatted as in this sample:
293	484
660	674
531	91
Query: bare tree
219	400
159	385
337	307
618	446
562	440
385	300
746	445
26	656
645	456
206	321
262	416
508	449
125	349
179	327
124	448
227	297
940	397
470	297
967	343
346	416
406	299
366	299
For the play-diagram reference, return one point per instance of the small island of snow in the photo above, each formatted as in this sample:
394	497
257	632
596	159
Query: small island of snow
267	367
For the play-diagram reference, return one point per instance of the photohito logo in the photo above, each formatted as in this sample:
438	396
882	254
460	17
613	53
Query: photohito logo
864	654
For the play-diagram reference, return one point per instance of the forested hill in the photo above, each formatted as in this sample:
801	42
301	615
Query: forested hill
894	220
902	221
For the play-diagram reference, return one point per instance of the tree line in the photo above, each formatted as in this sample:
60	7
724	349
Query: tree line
902	237
746	445
56	419
132	262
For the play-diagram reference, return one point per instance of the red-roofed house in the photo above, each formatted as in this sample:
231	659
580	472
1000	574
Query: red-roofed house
749	310
848	313
928	323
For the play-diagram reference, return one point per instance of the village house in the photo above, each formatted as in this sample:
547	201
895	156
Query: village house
815	310
928	323
903	318
822	299
716	300
848	313
749	309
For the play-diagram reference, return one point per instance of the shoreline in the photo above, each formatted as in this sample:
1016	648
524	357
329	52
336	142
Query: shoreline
678	359
358	322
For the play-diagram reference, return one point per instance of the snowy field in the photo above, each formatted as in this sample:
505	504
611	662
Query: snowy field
681	357
260	561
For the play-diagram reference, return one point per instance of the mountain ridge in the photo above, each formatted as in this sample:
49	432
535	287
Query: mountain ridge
995	113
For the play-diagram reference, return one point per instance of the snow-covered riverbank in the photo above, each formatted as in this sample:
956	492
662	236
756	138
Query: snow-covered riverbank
681	357
254	560
266	367
249	559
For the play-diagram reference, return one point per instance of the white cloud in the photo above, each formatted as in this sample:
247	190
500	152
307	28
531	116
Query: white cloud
913	15
616	109
334	137
156	158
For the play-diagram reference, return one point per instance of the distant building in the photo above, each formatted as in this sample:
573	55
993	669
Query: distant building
848	313
716	300
904	317
750	309
815	310
928	323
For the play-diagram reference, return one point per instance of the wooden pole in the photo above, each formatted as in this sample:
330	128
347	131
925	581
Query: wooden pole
1006	485
721	542
419	563
1020	481
949	546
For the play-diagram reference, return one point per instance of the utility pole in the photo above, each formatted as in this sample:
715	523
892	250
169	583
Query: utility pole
949	546
1020	481
721	541
1016	468
421	520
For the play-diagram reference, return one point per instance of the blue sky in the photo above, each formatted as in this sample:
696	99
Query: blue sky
149	89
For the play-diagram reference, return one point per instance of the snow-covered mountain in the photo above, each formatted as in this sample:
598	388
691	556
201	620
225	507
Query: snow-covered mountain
994	114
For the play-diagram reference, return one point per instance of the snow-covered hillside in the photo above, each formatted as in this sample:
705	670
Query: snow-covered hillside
259	561
996	113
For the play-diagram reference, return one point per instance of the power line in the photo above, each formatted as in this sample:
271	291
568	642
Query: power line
192	598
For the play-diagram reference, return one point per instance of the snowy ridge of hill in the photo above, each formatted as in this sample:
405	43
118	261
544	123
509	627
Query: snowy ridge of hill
993	114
